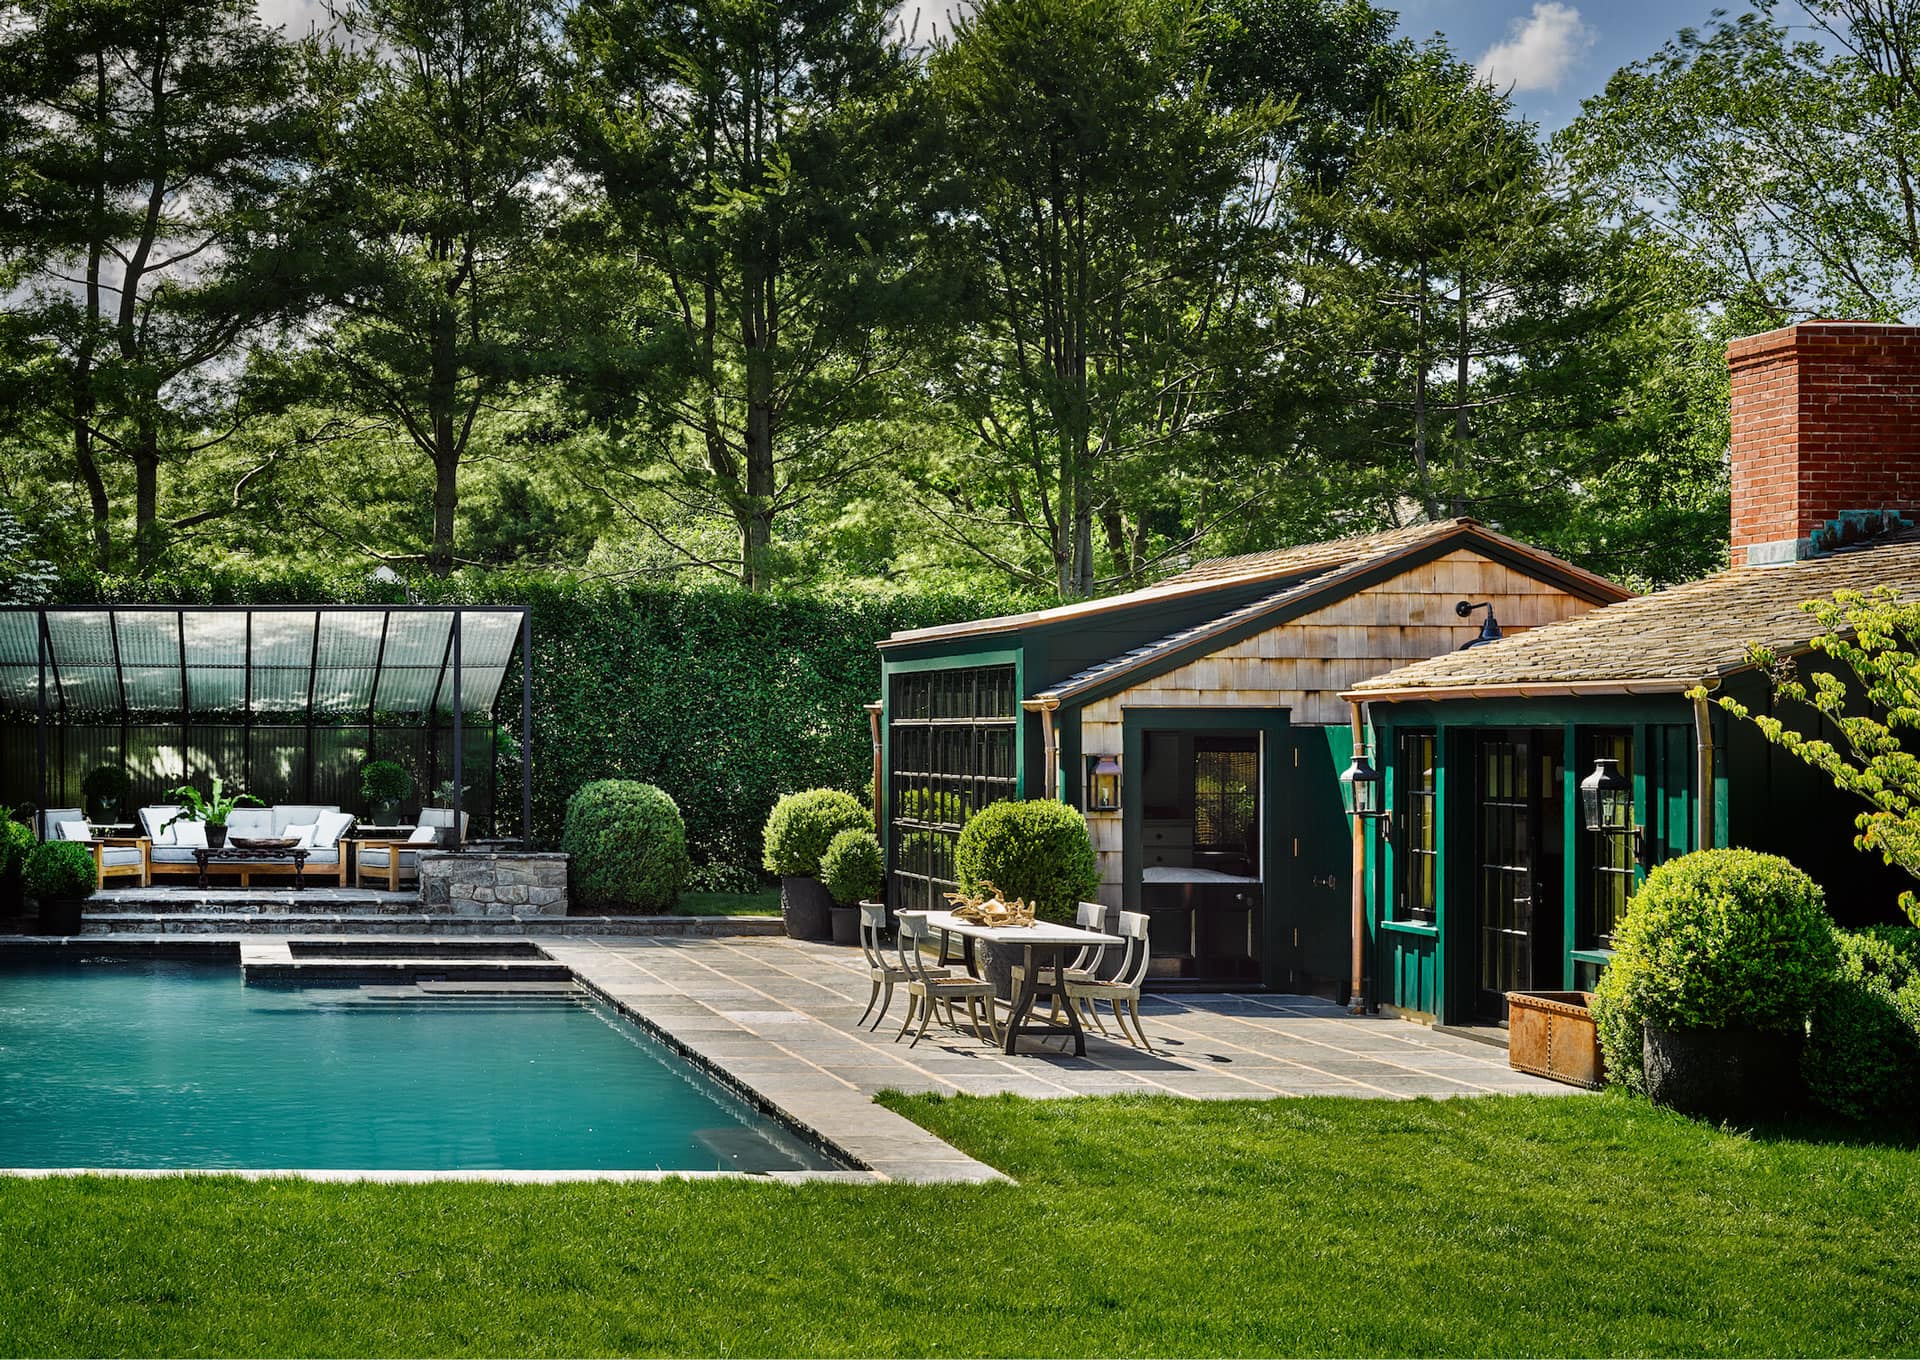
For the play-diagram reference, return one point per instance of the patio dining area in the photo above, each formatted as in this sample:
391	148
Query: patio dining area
783	1017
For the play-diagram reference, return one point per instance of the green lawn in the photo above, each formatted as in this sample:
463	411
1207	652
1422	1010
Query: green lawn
1148	1226
766	902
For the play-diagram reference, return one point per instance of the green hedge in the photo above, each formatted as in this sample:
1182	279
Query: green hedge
1862	1059
722	699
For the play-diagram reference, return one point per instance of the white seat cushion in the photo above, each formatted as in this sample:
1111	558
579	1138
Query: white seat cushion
423	835
251	822
330	828
439	817
295	814
375	857
171	854
303	834
74	831
153	820
190	835
50	821
119	856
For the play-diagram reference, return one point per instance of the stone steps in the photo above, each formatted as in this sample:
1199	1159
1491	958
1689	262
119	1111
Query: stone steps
406	964
101	923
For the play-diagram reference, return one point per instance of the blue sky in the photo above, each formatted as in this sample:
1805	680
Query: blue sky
1554	52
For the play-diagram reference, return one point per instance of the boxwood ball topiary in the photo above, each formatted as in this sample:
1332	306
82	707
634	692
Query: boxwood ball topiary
853	867
1038	850
1719	939
1862	1059
627	845
802	826
58	871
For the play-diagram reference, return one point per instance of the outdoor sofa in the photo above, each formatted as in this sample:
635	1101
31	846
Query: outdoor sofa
170	854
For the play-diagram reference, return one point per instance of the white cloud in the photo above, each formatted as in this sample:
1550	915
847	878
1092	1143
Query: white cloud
296	16
1539	50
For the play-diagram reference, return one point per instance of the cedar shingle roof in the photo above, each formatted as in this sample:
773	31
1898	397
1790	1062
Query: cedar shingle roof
1672	639
1288	568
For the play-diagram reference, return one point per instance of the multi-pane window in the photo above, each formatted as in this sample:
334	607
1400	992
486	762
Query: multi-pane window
951	740
1226	799
1612	880
1417	789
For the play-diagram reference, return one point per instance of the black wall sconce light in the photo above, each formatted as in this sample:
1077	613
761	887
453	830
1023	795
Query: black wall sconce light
1363	789
1489	626
1606	805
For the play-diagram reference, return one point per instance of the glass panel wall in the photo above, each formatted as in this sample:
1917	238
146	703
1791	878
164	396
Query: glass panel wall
952	736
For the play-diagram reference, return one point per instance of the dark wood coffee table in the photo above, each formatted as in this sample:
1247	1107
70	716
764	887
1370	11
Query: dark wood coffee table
202	855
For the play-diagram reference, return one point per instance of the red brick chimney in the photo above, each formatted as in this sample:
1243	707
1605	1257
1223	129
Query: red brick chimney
1826	420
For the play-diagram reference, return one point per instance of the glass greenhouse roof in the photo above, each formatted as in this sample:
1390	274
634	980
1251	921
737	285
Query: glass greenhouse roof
274	662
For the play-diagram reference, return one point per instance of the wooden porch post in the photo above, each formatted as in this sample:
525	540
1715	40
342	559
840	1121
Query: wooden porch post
879	774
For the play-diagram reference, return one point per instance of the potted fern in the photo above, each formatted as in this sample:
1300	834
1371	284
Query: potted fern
212	810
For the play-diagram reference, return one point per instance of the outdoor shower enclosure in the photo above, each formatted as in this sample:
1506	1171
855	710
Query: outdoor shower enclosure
285	701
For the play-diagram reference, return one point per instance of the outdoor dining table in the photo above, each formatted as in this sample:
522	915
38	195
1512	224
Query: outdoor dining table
1047	946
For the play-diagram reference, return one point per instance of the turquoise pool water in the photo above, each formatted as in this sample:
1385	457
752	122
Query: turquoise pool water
116	1062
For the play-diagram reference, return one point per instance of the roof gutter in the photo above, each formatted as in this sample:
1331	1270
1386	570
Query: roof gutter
1526	689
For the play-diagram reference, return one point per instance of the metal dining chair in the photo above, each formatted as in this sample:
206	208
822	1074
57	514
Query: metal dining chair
930	985
882	974
1088	993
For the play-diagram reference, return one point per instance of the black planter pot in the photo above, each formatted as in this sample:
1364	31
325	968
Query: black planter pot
216	836
1736	1074
804	907
846	924
60	916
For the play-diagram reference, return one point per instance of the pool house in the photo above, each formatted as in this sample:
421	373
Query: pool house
1199	726
1484	875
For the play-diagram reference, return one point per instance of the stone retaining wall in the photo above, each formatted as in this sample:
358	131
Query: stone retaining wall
493	883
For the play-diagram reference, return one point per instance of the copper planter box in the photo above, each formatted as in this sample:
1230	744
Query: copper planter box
1550	1034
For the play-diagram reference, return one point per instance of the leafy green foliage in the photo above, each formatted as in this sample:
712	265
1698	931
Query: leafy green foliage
1862	1059
802	826
106	781
853	867
16	839
1039	850
384	781
213	807
1717	939
627	846
58	871
1876	638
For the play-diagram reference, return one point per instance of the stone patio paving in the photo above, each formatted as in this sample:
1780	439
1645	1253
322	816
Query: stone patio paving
779	1017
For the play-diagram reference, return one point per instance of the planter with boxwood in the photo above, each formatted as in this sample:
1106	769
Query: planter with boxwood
59	876
798	832
384	785
1721	959
853	870
1038	850
106	788
626	847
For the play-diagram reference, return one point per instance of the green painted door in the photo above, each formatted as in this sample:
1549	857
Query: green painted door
1309	895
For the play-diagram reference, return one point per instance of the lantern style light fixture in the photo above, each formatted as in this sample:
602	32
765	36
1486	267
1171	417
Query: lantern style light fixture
1363	789
1103	784
1606	805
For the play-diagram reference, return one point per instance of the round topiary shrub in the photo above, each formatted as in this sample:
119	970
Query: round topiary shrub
627	845
1039	850
1715	940
384	782
58	871
853	867
1862	1059
802	826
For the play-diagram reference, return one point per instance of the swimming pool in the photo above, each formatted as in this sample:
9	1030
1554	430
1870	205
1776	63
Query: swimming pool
126	1062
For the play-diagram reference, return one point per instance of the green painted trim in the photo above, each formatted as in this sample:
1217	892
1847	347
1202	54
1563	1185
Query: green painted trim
1411	928
1570	823
1602	957
956	661
1275	870
890	667
1605	711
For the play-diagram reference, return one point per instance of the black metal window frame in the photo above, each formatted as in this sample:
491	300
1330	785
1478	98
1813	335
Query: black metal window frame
51	717
1609	880
953	743
1416	825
